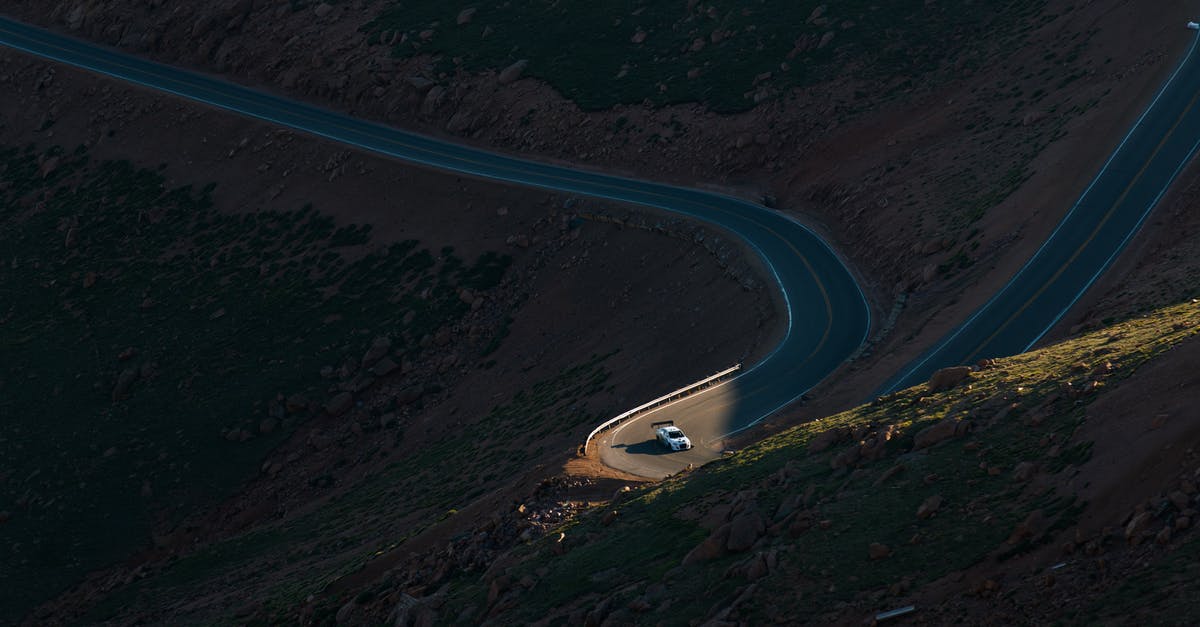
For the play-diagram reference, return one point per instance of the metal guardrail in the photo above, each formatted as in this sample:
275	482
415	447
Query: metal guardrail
659	402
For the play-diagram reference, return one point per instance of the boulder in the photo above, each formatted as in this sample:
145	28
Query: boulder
513	72
1137	525
744	531
322	10
929	507
380	346
125	382
410	394
847	458
824	440
465	16
940	432
1025	471
460	122
947	378
711	548
296	403
1031	528
385	366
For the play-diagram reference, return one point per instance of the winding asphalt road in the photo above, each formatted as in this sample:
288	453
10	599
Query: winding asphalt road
828	317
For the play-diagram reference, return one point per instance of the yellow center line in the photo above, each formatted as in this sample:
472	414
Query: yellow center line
1112	210
240	98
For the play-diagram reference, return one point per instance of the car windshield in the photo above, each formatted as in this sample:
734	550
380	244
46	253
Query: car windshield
674	433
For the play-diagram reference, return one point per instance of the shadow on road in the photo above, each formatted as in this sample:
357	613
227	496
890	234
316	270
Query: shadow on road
649	447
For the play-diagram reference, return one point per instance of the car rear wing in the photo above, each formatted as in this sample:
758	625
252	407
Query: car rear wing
665	423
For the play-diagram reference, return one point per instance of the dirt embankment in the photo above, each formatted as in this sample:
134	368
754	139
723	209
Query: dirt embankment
577	291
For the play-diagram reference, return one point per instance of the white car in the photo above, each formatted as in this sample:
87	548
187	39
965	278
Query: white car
670	436
1193	25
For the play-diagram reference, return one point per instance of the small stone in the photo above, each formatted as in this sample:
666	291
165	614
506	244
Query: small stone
878	551
513	72
1024	471
339	404
929	507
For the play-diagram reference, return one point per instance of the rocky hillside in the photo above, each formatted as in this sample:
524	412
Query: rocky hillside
1055	486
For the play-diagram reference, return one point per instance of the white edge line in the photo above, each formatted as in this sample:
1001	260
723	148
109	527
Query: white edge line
940	345
1121	246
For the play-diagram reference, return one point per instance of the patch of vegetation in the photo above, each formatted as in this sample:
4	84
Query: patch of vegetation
1170	588
138	325
728	55
390	506
1018	410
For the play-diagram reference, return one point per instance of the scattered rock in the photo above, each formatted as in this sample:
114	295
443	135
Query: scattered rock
847	458
1025	471
1031	528
1137	524
824	440
878	551
711	548
380	346
125	382
296	403
268	425
947	378
410	394
638	37
339	404
385	366
745	530
513	72
929	507
944	430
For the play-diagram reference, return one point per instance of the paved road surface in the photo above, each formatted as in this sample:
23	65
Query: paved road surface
827	314
1107	215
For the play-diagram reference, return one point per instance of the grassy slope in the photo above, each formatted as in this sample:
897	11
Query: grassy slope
287	561
1018	412
586	50
224	312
